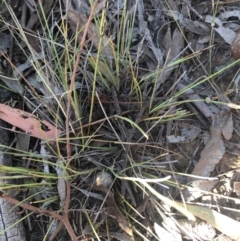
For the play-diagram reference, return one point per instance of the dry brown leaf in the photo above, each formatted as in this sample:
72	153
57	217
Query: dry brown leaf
61	186
217	220
187	134
32	39
100	6
167	40
198	188
13	83
226	33
203	107
227	129
23	141
114	211
173	45
236	187
235	47
78	23
38	16
4	42
212	153
29	123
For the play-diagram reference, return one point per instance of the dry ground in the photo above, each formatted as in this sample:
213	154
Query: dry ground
119	120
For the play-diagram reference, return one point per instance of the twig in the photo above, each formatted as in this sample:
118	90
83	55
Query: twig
30	207
42	212
68	146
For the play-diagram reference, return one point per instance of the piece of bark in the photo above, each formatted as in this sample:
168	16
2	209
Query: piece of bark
10	227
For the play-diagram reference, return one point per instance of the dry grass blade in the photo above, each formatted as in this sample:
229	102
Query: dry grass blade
139	90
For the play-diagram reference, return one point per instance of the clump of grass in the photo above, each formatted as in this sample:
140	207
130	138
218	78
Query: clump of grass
111	113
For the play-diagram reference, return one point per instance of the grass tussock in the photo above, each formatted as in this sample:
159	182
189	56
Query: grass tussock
112	172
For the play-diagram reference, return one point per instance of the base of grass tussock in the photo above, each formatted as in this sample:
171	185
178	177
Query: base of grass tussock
114	120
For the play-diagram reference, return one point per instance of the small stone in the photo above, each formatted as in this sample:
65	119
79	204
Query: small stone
235	49
104	179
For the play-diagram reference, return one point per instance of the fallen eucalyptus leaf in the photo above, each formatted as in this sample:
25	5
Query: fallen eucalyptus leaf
224	224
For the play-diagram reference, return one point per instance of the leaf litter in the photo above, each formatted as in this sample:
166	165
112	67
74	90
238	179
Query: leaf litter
164	70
